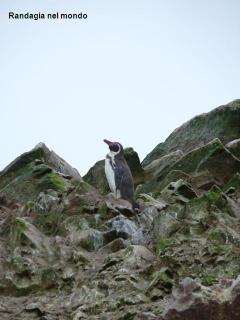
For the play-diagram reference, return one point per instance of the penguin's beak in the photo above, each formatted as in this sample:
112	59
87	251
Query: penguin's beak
107	142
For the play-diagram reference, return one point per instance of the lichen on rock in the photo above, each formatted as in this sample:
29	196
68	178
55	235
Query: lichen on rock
69	250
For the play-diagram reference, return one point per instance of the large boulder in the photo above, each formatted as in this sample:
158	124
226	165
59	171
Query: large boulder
41	153
35	171
222	122
212	158
234	147
160	164
192	300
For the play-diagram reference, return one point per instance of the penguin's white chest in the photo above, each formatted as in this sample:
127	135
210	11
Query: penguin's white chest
110	175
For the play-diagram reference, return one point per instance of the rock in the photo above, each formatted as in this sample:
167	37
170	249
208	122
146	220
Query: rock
213	200
122	227
153	185
47	202
84	201
234	147
23	230
165	225
146	316
57	163
90	239
133	161
68	251
119	205
156	166
115	245
187	294
161	279
202	159
96	175
179	192
203	180
134	257
41	169
234	183
35	307
80	234
35	171
136	253
42	153
73	225
194	301
221	123
151	202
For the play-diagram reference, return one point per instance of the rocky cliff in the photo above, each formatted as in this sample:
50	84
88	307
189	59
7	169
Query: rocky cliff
69	250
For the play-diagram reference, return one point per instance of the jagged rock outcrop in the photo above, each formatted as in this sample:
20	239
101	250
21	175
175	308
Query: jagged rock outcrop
192	300
35	171
211	161
69	251
222	123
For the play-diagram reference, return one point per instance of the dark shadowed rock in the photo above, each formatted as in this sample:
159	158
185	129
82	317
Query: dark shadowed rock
96	177
193	301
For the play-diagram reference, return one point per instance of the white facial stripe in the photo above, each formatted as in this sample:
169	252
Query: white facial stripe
116	152
119	146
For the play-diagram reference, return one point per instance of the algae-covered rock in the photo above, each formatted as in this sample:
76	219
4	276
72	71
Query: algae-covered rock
35	171
68	251
212	157
234	147
22	231
96	177
89	239
165	225
222	122
232	187
156	166
133	161
79	233
191	300
153	185
41	154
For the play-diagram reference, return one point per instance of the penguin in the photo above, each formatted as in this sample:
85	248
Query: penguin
118	173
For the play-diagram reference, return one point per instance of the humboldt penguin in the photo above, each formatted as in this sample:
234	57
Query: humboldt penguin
118	173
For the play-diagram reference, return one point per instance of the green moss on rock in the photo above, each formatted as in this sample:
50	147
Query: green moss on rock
52	181
222	122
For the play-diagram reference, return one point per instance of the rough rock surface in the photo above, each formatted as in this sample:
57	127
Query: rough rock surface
36	171
222	122
67	251
213	158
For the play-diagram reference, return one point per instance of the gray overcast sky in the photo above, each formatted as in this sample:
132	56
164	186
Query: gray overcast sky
132	72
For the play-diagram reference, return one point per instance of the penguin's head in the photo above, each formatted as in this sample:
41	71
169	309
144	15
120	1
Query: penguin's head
115	147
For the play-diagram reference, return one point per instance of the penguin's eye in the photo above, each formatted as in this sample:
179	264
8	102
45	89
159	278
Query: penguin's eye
114	147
